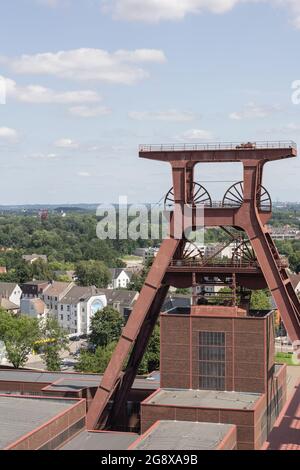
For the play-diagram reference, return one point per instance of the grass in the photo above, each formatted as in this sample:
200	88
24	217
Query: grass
132	258
285	358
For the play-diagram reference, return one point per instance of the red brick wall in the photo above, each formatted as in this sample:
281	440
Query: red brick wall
243	419
48	434
246	351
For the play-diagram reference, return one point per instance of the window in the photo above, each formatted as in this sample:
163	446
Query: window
211	360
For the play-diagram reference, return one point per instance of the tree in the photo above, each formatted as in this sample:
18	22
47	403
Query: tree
151	359
106	327
40	270
95	362
93	273
19	334
138	280
260	300
54	340
183	291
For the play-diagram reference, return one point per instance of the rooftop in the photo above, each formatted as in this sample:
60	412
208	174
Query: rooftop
174	435
115	272
19	416
57	288
123	296
100	441
78	293
7	288
61	381
205	399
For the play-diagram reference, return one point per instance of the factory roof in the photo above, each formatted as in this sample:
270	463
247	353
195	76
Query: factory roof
20	416
183	435
205	399
62	381
100	441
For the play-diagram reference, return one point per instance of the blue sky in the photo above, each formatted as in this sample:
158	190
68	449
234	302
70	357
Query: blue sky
87	81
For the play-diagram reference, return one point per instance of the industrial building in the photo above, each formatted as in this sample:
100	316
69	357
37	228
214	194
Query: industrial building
219	386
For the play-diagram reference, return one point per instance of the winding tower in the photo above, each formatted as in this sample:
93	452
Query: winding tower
255	263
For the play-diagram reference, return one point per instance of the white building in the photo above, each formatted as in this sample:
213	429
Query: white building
217	249
54	293
147	253
77	307
12	292
120	278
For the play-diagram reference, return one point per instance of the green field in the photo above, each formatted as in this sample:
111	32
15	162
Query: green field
285	358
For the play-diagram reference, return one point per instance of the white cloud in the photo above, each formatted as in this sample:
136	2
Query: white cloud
42	156
153	11
8	135
121	66
37	94
197	134
66	143
83	174
253	111
89	112
172	115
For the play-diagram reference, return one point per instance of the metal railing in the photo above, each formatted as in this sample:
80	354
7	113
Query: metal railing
213	262
261	145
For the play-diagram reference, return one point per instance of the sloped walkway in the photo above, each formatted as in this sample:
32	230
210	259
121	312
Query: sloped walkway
286	432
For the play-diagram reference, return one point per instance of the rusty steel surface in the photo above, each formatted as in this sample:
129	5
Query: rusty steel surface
248	217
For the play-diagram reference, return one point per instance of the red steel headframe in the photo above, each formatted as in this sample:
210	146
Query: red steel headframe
248	216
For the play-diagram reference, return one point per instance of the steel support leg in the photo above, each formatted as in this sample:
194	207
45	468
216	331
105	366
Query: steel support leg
131	331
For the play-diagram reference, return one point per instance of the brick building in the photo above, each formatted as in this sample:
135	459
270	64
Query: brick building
217	366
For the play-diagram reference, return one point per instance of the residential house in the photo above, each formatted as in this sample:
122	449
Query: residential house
284	233
33	307
147	253
9	306
34	257
120	278
53	293
77	307
176	301
12	292
3	270
121	300
33	289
